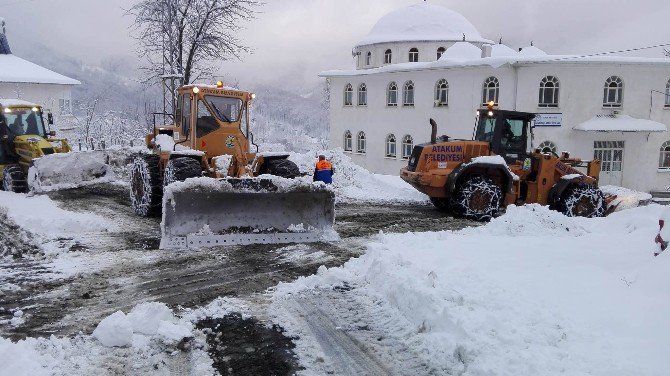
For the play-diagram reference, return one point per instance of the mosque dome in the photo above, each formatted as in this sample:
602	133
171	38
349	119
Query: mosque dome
423	22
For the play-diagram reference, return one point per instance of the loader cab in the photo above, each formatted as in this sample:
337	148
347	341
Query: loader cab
508	132
213	119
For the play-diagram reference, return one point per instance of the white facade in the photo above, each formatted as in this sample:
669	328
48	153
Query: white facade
22	79
638	92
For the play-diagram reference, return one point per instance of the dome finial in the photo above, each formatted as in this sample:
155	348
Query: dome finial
500	42
531	43
463	37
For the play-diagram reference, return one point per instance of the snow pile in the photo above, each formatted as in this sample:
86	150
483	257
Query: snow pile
620	123
69	170
626	198
532	220
114	331
353	183
21	359
115	347
52	221
118	329
510	298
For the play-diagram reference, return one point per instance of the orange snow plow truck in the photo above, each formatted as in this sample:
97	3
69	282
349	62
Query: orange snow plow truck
475	178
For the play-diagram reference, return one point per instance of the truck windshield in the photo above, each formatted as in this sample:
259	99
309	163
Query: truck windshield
225	109
24	121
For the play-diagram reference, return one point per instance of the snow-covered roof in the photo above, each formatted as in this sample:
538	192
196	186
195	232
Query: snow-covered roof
500	50
422	22
620	123
532	51
462	50
16	70
10	102
497	60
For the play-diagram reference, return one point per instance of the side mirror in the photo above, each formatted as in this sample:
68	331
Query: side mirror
50	118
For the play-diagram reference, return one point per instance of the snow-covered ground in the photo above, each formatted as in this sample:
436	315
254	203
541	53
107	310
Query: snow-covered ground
531	293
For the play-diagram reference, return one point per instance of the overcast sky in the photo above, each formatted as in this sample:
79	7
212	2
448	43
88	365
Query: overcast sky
293	40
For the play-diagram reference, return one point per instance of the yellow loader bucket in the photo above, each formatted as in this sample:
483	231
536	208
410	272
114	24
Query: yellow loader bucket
207	212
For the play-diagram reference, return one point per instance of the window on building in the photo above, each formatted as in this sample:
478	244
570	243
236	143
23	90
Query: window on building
490	90
65	107
392	95
613	96
362	95
390	146
408	94
664	161
348	95
548	147
667	94
407	146
360	143
368	58
440	51
441	93
388	56
414	55
549	90
348	141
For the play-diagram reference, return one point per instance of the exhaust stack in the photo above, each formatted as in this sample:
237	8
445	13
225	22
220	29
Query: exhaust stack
433	133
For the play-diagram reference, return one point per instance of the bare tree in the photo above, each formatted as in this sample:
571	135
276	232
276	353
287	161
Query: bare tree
182	37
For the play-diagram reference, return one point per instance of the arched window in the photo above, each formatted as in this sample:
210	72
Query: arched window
613	96
360	143
392	95
368	58
348	141
549	90
407	146
390	146
490	90
408	94
440	51
388	56
664	161
414	55
441	93
348	95
667	94
548	147
362	95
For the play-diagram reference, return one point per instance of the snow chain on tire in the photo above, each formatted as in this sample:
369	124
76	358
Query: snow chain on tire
582	200
477	198
146	189
180	169
14	180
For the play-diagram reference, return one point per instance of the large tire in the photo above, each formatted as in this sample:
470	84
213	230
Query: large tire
477	198
14	179
581	200
146	188
283	168
180	169
441	203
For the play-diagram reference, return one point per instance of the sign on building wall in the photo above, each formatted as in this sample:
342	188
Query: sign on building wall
548	120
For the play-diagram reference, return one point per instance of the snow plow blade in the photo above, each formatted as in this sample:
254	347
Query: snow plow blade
69	170
207	212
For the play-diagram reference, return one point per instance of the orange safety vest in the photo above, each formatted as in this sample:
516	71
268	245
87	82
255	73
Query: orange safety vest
323	165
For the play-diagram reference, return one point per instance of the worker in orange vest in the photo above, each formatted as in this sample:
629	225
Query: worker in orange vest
324	170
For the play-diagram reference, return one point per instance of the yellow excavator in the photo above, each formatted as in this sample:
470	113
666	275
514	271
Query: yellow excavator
212	189
31	158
